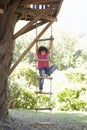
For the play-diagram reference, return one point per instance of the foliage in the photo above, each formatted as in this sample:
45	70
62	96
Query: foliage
70	99
31	57
64	54
26	74
45	101
29	76
20	45
21	98
77	76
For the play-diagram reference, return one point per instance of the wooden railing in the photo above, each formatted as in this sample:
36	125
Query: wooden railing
38	6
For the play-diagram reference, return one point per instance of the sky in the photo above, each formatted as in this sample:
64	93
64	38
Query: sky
73	16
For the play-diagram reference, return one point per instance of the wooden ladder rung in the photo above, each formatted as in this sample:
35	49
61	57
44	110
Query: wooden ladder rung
44	123
39	77
46	39
42	59
43	109
44	93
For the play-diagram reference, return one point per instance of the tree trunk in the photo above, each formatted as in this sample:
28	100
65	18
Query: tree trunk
7	22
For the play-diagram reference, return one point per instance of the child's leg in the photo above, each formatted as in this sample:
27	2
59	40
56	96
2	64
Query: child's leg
42	74
51	69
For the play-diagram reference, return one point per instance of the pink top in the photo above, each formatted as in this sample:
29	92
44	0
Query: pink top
42	64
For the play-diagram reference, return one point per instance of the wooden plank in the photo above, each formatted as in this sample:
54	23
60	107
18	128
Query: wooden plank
44	123
27	2
46	39
43	109
28	49
49	93
34	26
42	60
46	77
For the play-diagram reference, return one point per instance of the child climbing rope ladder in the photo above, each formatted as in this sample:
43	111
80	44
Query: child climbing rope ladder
43	63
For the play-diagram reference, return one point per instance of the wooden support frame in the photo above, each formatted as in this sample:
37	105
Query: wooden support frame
26	2
32	14
34	26
28	26
28	49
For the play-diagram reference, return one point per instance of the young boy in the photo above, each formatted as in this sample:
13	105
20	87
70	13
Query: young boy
43	64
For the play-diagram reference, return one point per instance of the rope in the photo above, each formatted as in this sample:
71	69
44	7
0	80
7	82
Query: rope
51	37
51	40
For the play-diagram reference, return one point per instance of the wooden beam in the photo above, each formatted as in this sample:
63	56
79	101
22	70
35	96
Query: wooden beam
49	18
28	49
26	27
27	2
58	8
33	14
34	26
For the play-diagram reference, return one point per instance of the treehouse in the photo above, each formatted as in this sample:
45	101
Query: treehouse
40	11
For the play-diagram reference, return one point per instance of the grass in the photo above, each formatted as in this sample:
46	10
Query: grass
26	120
19	119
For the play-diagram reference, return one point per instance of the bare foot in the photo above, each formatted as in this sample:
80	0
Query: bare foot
47	75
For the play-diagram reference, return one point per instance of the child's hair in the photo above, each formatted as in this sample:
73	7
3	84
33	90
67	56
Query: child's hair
42	48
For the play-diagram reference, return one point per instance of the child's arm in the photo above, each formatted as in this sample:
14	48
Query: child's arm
51	43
